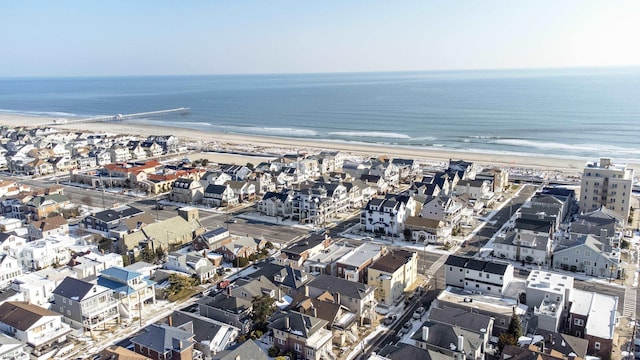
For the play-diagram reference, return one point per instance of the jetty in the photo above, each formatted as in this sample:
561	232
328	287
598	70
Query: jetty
121	117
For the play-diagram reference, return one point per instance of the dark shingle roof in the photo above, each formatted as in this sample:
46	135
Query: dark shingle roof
160	338
345	287
111	214
247	350
478	265
73	288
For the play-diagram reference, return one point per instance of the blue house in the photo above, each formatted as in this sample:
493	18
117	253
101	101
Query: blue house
130	287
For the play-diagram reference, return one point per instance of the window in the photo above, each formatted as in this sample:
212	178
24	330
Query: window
297	347
596	345
488	288
578	322
69	312
310	353
487	276
281	341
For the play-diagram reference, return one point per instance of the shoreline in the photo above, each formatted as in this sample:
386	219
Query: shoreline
282	145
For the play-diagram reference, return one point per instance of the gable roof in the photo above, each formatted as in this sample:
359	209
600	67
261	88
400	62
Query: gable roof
345	287
161	338
76	289
22	315
247	350
300	324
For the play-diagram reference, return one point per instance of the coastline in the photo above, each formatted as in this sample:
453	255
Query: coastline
282	145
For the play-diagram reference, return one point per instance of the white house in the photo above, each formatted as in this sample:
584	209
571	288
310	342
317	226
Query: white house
9	269
478	275
387	215
529	241
34	326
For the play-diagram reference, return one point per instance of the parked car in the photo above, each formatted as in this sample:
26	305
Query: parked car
407	325
223	284
389	319
418	313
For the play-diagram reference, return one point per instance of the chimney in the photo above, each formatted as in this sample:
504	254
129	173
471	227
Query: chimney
228	290
425	333
542	347
315	312
170	321
571	356
460	343
286	323
336	297
603	238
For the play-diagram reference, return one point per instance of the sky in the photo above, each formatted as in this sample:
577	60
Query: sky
143	37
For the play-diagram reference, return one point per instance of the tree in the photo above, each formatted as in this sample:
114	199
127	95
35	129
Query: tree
159	252
268	245
513	333
178	283
407	234
250	166
263	307
240	262
148	255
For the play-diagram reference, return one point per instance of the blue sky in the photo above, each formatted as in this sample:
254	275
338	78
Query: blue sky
87	38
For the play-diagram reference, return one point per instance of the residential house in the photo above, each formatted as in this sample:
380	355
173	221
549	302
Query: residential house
119	154
192	264
499	308
548	294
219	195
187	191
136	150
392	275
468	320
9	270
209	239
304	335
545	208
237	172
37	287
235	247
447	209
376	182
354	265
85	305
91	264
40	206
478	275
250	288
454	341
592	316
161	342
467	170
11	244
529	241
109	219
498	177
210	336
337	316
247	350
243	190
130	287
387	216
276	204
151	148
312	206
589	255
479	190
51	251
49	226
357	297
326	262
228	309
12	349
40	329
296	253
595	221
428	231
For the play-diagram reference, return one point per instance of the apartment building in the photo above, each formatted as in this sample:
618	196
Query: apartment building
606	185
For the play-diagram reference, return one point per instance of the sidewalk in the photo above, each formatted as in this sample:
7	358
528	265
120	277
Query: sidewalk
624	333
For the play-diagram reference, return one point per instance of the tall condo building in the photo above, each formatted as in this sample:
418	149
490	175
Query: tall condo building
606	185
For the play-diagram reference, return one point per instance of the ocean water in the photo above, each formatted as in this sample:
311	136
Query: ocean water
583	113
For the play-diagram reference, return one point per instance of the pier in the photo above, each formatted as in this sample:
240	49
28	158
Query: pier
121	117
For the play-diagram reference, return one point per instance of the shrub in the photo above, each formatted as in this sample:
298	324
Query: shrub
273	351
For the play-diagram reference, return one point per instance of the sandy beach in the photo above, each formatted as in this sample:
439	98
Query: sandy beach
262	144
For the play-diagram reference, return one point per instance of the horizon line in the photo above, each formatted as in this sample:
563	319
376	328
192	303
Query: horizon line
323	72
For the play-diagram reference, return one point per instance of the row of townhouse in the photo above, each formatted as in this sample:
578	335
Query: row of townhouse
547	302
315	203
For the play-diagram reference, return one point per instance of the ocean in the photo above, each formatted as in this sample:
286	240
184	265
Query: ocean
583	113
